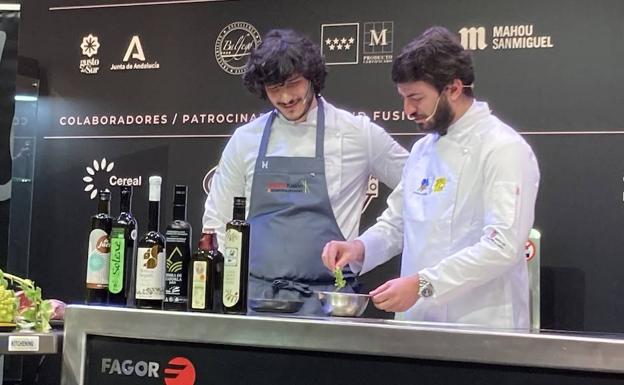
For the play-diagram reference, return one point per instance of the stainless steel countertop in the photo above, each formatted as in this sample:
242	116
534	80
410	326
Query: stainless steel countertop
431	341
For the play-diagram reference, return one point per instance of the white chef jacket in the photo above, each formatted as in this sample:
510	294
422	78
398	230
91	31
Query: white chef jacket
467	206
354	149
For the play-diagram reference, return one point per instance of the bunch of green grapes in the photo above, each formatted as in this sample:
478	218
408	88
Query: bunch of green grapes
8	304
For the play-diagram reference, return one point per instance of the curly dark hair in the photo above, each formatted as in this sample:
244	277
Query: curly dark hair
283	53
435	57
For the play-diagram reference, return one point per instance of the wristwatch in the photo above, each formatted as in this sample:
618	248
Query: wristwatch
425	288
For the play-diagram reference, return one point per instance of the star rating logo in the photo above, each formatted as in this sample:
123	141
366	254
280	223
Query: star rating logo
90	45
340	43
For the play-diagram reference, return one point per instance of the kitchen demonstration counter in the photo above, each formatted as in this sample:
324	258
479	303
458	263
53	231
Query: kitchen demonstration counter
105	345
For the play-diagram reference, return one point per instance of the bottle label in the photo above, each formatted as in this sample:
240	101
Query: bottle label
117	258
98	259
178	251
198	296
232	267
150	283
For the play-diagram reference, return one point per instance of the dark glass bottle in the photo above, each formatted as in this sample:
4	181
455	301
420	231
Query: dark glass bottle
98	256
236	261
178	252
205	275
150	261
123	237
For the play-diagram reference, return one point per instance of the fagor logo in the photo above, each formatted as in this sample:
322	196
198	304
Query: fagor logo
130	368
98	175
473	38
180	371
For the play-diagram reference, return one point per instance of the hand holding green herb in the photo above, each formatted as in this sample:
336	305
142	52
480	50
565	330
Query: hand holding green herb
340	281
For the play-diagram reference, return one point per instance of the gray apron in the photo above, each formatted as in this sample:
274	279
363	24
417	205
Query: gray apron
291	220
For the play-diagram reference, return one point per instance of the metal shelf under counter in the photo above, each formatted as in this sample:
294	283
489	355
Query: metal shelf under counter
31	343
130	346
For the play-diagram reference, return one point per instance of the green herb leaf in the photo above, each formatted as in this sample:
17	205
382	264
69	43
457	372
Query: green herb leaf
340	281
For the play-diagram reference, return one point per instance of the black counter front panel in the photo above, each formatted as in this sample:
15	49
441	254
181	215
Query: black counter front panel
124	361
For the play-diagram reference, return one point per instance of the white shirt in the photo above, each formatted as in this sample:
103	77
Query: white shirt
467	202
354	149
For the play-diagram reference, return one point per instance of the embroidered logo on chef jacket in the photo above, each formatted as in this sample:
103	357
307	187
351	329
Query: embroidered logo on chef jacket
299	187
496	238
439	184
425	187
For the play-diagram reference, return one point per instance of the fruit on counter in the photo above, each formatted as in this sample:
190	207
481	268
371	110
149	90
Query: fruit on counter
35	314
58	307
8	305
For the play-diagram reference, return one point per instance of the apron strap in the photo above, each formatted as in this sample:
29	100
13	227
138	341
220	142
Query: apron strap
320	129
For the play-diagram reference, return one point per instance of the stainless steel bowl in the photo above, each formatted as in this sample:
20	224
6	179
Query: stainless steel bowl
343	304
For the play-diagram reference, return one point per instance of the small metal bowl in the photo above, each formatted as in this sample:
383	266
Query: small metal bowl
343	304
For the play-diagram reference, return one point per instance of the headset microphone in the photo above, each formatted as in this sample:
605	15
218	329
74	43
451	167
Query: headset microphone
435	108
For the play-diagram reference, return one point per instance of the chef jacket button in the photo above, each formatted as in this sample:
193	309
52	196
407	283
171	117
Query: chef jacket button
465	151
337	135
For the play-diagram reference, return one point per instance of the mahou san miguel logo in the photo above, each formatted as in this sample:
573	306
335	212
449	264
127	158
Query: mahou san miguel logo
179	370
98	176
504	37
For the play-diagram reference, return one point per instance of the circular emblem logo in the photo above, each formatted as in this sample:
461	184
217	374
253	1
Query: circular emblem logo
234	44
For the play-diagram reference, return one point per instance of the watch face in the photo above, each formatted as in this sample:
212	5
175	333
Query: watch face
425	288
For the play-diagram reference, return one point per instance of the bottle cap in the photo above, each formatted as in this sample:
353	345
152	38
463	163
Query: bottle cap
154	188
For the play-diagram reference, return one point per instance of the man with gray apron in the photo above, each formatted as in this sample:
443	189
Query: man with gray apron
290	226
304	168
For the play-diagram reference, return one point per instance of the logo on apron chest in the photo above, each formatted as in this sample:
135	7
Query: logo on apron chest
298	187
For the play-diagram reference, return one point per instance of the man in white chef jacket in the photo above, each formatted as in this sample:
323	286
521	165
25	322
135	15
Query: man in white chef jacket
304	168
465	205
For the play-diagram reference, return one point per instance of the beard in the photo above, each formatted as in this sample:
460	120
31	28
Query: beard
441	120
